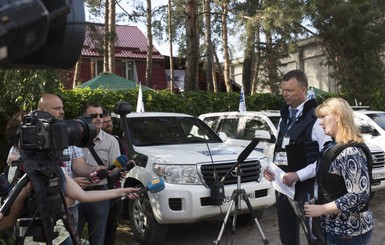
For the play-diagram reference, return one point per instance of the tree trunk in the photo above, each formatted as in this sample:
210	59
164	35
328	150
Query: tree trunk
192	45
249	55
256	64
149	81
226	57
170	37
106	37
209	53
77	71
112	36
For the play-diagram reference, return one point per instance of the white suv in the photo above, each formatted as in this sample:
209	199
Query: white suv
186	153
240	128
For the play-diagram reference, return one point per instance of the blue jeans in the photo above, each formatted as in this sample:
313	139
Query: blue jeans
96	215
363	239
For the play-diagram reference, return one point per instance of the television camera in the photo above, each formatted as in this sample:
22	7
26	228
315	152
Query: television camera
42	139
41	33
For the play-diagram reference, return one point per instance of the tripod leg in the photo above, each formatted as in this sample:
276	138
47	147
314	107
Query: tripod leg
224	222
237	199
252	212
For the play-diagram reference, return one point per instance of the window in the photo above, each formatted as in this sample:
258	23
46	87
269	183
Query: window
130	70
253	124
229	126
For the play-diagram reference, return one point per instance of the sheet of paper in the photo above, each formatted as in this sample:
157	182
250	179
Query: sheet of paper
277	183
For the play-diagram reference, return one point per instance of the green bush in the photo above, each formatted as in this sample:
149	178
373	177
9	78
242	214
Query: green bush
194	103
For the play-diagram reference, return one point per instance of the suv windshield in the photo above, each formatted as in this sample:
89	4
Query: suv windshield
146	131
378	118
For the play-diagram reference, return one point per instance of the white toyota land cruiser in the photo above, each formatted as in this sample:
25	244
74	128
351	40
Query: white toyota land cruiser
187	154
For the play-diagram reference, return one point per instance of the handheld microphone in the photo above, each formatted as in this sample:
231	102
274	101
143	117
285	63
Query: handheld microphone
130	165
120	162
153	186
96	176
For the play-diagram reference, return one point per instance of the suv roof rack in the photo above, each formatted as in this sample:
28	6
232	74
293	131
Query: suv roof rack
360	107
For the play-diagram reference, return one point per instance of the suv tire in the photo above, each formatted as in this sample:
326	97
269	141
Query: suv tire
143	223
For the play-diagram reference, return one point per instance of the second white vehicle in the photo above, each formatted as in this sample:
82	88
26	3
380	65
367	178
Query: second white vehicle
240	128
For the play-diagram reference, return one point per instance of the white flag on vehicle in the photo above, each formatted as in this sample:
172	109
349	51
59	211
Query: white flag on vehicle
139	103
242	102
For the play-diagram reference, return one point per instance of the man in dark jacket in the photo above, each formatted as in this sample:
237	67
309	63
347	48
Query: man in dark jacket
300	138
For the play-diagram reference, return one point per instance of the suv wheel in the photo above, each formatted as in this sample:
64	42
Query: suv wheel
143	223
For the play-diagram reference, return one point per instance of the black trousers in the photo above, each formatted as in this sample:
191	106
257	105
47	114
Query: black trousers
291	215
116	208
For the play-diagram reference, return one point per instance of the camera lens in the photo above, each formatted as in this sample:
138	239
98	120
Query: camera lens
81	131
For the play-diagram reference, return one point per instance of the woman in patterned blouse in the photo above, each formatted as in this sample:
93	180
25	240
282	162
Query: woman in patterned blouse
343	179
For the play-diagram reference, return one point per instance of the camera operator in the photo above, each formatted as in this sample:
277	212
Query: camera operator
54	105
16	209
103	153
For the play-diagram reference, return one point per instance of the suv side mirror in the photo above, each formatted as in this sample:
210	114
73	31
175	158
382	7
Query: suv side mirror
223	136
122	108
366	129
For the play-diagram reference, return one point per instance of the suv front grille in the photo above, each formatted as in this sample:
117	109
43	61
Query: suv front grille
250	171
378	159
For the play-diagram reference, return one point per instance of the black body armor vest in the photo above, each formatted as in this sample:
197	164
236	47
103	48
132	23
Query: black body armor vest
301	150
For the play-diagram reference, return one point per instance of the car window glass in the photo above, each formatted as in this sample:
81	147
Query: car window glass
211	121
251	126
275	120
378	118
169	130
228	126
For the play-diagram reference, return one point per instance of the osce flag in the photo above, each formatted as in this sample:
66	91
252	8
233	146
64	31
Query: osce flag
139	103
242	102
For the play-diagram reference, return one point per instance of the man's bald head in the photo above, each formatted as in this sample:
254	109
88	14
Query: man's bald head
51	104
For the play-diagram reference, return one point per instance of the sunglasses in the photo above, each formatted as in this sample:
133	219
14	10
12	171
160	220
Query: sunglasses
95	115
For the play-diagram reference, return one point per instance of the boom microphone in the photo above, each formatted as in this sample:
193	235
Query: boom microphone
153	186
244	154
120	162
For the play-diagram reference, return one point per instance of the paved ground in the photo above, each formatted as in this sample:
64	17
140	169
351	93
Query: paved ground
206	232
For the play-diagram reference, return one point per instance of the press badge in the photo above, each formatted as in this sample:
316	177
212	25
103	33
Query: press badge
285	141
315	191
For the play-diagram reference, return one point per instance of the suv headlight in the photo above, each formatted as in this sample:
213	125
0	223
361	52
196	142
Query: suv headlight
178	174
264	163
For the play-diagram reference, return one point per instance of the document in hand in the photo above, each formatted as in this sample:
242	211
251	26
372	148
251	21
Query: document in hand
277	183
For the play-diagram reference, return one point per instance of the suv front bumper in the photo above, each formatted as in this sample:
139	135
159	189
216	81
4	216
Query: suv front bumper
176	204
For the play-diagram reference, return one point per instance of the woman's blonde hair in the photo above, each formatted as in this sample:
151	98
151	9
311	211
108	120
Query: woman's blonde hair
347	131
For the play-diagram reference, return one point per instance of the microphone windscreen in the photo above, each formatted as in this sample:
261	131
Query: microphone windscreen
246	152
120	162
156	185
96	176
130	165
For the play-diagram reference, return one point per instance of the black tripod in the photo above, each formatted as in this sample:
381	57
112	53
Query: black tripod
48	203
240	193
236	200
